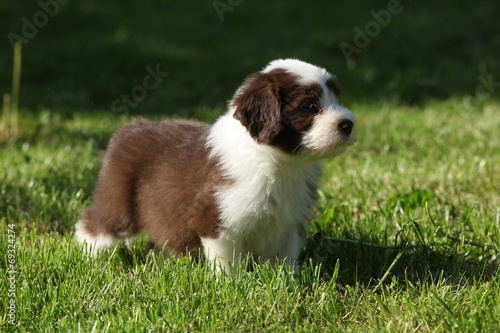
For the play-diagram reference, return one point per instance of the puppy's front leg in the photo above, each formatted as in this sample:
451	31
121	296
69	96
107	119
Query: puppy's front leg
291	245
225	253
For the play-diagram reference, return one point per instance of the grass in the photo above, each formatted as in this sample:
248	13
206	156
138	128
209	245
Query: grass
425	220
406	233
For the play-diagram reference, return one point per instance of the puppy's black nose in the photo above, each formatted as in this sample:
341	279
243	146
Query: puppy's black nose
345	126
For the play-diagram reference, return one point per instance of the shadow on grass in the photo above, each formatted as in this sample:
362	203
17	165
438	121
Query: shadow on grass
360	262
372	264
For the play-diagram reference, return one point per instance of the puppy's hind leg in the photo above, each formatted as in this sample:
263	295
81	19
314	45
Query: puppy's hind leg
93	241
110	217
97	231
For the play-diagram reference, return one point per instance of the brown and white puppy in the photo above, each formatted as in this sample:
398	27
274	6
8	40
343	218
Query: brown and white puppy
244	185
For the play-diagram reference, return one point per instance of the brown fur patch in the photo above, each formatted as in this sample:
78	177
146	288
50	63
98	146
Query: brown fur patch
158	177
274	108
257	107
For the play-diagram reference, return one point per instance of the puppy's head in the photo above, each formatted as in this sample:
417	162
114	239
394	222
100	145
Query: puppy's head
293	105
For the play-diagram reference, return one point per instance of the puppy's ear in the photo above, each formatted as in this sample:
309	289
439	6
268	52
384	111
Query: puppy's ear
257	105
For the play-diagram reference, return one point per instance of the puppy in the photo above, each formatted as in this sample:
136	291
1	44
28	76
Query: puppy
245	185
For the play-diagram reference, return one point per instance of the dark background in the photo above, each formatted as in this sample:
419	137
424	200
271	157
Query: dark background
92	51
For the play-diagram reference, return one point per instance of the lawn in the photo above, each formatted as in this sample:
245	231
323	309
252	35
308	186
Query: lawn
406	233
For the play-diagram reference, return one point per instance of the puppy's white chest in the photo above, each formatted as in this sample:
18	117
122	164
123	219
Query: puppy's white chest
268	204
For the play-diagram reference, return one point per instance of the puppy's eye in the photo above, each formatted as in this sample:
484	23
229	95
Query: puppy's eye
310	106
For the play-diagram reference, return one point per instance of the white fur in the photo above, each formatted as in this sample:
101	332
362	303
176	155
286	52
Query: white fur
102	241
305	71
269	202
93	243
222	252
322	139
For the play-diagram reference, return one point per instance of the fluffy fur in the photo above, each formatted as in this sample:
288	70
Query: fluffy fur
244	185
